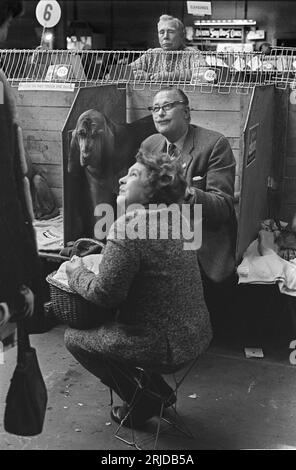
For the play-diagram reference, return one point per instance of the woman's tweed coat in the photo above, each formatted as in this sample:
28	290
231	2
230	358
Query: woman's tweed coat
155	284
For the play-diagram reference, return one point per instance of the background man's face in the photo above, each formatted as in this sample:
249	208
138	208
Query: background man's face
173	123
170	38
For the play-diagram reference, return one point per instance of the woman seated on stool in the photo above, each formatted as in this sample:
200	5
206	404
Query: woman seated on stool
162	321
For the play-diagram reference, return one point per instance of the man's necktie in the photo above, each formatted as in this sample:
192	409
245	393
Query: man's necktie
172	151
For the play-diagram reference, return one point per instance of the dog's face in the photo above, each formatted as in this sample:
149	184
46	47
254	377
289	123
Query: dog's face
93	136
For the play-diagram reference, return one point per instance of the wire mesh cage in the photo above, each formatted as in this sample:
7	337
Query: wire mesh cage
189	68
283	61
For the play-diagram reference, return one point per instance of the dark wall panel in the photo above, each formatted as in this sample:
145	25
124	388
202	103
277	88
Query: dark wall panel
132	24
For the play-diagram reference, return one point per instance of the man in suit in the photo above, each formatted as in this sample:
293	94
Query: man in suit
209	166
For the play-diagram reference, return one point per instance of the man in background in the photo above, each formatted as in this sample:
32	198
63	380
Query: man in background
172	60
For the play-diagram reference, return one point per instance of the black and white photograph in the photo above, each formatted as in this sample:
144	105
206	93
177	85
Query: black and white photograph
147	228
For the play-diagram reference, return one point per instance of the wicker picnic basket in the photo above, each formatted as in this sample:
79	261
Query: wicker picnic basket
73	310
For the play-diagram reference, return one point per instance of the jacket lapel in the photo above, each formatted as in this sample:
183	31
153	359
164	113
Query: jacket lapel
187	148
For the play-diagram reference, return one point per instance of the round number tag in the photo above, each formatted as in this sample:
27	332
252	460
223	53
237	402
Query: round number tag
210	75
48	13
267	65
62	71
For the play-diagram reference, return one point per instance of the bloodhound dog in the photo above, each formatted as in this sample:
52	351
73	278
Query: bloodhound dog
101	151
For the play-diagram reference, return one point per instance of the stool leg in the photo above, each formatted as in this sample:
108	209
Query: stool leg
146	389
133	442
158	426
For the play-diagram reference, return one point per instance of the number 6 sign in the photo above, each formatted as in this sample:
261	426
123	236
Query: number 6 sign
48	13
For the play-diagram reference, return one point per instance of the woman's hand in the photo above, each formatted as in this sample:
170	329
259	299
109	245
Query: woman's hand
74	263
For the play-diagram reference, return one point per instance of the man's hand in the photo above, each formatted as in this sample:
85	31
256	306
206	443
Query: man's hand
189	193
74	263
163	76
141	75
156	77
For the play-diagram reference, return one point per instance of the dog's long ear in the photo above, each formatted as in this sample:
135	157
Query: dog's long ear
109	139
74	154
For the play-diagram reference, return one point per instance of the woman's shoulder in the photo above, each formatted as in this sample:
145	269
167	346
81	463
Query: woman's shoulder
154	221
138	218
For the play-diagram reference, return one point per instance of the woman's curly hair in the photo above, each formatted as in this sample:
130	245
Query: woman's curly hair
165	177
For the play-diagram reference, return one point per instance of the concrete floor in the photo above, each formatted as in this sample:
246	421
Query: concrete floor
239	403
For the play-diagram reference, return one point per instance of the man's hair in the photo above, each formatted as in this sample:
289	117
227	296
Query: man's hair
165	177
178	23
10	8
180	92
182	95
265	45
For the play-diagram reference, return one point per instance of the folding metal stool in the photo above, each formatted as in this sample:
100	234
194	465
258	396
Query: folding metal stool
175	422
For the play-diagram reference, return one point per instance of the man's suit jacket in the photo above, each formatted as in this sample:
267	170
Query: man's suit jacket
208	154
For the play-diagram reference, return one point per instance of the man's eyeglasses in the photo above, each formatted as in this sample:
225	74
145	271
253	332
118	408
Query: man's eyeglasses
165	107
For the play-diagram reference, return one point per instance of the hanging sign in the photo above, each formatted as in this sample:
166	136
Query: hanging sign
235	34
46	86
199	8
254	35
48	13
